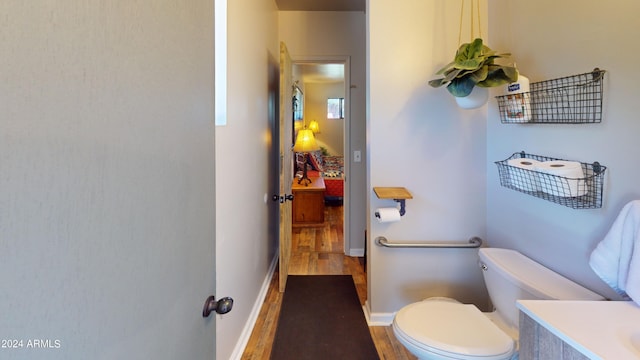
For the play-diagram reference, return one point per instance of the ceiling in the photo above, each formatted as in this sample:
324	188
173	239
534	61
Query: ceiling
321	5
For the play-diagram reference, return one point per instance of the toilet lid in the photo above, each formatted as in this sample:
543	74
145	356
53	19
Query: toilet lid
453	329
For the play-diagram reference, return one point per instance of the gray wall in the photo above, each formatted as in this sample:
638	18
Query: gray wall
420	139
551	39
417	138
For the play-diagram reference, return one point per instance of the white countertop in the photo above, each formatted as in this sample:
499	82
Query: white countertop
598	329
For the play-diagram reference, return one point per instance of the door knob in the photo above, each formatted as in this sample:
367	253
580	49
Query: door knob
221	306
289	197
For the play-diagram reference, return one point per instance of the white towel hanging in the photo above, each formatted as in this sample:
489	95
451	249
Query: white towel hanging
616	259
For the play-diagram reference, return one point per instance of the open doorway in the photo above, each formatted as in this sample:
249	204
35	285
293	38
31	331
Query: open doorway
323	107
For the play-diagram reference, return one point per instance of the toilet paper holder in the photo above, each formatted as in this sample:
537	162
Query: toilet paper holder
397	194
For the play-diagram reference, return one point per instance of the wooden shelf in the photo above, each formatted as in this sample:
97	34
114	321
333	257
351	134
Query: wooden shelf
395	193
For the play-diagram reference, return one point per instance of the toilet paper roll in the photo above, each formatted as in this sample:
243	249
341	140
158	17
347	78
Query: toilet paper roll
385	215
568	179
524	180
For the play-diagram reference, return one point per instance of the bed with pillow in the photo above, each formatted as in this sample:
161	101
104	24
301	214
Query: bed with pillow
331	168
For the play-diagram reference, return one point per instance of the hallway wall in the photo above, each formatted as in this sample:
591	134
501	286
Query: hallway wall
331	134
343	34
247	228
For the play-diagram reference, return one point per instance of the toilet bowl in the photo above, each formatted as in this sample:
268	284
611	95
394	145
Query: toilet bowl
442	328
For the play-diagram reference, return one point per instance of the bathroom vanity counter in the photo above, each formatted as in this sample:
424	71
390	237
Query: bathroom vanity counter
596	329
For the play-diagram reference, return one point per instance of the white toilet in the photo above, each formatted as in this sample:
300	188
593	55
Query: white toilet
443	328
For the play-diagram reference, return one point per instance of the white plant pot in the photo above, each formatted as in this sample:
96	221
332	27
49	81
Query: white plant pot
478	97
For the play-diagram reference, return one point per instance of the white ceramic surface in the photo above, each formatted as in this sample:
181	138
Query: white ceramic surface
597	329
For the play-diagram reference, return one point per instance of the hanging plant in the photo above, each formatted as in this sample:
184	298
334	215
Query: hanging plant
473	66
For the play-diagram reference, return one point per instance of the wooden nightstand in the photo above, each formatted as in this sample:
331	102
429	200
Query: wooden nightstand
308	202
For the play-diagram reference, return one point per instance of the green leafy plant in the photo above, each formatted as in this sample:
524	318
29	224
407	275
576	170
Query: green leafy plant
474	66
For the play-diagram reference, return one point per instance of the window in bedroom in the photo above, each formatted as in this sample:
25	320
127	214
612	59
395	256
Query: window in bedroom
335	108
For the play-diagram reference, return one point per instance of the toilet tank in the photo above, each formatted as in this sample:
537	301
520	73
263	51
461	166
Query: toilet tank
511	276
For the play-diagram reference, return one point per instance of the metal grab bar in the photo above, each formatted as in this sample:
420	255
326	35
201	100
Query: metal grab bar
474	242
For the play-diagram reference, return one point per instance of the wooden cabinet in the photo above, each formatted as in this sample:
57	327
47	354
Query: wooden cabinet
308	202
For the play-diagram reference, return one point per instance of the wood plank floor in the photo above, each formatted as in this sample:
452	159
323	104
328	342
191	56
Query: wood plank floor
318	250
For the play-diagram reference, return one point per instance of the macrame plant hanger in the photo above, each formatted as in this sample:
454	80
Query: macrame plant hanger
472	16
479	95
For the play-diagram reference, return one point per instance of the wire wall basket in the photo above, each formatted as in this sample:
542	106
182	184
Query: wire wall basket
573	99
569	183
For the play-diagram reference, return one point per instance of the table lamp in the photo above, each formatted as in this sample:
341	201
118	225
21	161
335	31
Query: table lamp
314	127
305	143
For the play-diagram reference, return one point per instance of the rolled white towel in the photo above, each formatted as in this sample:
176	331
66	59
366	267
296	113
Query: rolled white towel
616	259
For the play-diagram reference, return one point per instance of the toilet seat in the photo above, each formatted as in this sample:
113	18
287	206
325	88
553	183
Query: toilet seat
452	330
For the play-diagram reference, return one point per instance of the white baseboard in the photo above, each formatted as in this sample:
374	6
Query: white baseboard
377	319
253	317
356	252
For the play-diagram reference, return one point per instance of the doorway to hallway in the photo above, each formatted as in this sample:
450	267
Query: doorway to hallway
323	82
